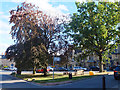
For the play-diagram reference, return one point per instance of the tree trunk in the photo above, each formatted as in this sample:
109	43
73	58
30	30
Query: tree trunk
100	64
45	70
66	66
34	69
19	72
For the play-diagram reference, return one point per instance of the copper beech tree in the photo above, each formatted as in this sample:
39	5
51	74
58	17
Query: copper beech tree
42	31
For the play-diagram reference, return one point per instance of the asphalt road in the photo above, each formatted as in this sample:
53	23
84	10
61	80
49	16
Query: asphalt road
95	82
7	81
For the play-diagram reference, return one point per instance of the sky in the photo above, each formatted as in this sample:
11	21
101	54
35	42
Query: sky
53	7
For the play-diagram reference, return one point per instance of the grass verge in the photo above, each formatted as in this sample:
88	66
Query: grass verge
49	78
61	79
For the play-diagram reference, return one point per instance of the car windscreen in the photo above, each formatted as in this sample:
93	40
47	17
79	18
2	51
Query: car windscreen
117	68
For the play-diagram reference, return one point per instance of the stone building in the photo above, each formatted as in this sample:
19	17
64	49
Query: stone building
6	62
93	60
116	56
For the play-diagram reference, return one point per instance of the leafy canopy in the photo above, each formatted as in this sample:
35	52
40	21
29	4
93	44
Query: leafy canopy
93	27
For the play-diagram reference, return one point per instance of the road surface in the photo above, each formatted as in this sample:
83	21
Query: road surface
8	81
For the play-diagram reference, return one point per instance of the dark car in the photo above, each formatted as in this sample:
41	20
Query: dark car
117	72
94	68
112	68
61	69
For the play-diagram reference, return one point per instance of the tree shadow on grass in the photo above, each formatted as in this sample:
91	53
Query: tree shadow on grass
34	76
61	79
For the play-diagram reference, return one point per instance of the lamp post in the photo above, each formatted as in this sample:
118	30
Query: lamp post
52	25
103	81
118	26
53	67
55	59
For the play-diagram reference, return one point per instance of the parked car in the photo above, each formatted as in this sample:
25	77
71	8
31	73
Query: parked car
61	69
79	68
41	70
85	69
112	67
7	68
49	67
13	69
94	68
117	72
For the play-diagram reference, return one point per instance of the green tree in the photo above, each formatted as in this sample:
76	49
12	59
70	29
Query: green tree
15	52
25	60
93	28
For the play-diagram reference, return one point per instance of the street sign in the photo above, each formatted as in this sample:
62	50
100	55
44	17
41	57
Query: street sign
56	58
12	65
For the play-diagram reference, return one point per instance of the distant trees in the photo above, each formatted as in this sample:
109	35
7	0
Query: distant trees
93	28
40	34
65	57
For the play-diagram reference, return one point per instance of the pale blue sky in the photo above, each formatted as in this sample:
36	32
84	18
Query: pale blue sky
51	6
63	7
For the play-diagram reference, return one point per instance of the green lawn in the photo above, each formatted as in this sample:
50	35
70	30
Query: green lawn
49	78
61	79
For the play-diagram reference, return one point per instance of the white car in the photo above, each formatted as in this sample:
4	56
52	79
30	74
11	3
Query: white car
7	68
49	67
85	69
79	68
13	69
